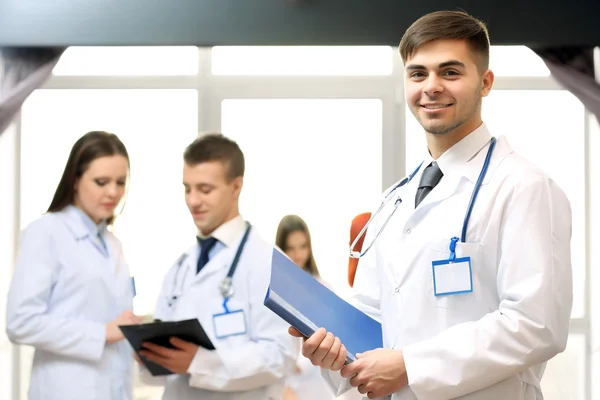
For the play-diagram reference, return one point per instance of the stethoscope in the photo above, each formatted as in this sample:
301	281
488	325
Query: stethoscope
226	285
389	195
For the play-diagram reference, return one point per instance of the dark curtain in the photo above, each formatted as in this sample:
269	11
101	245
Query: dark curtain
23	70
573	68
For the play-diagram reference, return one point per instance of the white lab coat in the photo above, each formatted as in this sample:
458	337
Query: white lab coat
307	382
63	292
491	344
252	366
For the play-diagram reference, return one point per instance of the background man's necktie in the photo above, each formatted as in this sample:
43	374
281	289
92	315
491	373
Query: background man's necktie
431	176
205	246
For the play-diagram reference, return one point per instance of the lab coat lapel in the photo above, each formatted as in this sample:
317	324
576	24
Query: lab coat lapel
218	262
473	167
463	179
447	187
103	266
118	275
108	268
451	181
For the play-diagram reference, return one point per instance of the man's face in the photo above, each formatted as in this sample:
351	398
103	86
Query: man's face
444	87
211	197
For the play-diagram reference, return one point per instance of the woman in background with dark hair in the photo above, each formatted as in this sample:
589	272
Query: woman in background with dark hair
293	238
71	287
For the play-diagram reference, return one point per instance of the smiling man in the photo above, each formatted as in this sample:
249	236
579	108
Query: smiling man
471	281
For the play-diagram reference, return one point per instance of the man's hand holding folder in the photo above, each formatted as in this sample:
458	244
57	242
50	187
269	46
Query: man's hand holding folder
376	373
338	336
167	347
322	349
176	360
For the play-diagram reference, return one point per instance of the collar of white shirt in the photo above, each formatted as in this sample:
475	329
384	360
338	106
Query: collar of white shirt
230	232
454	159
82	223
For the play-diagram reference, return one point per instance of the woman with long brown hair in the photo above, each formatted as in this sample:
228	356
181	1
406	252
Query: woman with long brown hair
293	238
71	287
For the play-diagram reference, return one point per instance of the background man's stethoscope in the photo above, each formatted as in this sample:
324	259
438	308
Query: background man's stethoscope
358	254
226	285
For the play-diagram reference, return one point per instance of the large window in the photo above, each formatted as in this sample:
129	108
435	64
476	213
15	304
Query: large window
302	61
319	159
502	62
128	61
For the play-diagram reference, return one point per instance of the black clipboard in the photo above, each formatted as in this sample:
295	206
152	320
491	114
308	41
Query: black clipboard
159	333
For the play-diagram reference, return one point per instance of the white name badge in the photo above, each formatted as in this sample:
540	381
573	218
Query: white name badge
452	277
229	323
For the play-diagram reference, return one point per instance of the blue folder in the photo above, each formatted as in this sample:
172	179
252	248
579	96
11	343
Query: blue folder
307	305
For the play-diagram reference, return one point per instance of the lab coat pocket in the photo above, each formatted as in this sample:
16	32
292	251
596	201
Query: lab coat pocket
471	255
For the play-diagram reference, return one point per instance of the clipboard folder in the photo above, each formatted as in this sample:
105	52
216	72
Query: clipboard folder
307	305
159	333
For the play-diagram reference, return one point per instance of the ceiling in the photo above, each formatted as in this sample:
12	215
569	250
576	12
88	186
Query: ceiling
535	23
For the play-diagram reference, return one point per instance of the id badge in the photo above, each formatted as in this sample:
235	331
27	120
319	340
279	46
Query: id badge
229	323
452	277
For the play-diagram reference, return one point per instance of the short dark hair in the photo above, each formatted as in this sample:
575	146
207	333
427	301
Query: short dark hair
92	145
456	25
216	147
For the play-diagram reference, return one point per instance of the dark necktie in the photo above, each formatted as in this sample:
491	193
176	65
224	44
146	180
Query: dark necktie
431	176
205	246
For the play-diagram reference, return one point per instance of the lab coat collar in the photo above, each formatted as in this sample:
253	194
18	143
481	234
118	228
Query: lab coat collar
229	232
80	224
453	161
460	161
230	235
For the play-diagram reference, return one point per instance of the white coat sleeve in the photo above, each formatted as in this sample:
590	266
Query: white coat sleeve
365	297
27	321
531	326
266	358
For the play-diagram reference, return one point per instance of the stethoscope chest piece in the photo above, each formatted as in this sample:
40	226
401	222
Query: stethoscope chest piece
226	287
